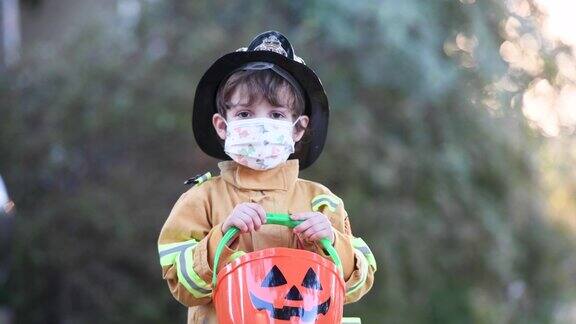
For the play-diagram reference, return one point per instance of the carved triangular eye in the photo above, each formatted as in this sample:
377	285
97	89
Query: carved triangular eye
311	280
274	278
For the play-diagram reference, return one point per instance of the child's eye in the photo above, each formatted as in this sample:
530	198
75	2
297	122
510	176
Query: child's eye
277	115
243	114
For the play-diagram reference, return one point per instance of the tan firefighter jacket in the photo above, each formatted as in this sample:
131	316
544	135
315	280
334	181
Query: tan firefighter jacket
192	231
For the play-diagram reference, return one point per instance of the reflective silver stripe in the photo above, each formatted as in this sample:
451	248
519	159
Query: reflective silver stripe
182	261
361	246
177	249
364	249
326	201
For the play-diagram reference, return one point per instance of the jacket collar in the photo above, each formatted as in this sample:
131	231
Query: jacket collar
281	177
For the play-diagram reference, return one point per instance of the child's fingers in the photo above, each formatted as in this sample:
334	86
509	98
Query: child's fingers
301	216
304	226
307	224
312	230
247	220
259	211
256	220
239	223
325	233
225	226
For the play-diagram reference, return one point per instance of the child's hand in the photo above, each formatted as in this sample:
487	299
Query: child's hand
248	217
315	226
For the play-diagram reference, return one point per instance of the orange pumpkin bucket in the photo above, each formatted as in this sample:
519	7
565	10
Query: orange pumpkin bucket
279	285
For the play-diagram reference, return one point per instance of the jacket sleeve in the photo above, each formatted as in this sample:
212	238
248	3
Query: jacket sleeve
186	245
358	261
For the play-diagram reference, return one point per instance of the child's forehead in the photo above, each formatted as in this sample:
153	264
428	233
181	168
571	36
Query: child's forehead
243	95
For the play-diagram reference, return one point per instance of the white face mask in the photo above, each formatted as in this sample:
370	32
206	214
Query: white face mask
259	143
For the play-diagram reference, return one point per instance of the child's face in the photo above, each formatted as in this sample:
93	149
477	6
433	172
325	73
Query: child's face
261	108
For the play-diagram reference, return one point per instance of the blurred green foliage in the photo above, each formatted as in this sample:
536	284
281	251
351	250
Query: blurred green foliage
95	142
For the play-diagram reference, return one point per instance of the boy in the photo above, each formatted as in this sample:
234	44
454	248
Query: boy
252	106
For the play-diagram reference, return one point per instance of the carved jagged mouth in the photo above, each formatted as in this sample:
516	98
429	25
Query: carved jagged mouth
286	312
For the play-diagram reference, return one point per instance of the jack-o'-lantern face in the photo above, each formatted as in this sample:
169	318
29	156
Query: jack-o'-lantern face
279	285
291	294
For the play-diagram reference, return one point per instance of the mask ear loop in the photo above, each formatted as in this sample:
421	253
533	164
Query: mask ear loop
294	130
296	121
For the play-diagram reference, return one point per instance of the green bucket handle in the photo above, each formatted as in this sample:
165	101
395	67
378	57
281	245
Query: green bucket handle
277	219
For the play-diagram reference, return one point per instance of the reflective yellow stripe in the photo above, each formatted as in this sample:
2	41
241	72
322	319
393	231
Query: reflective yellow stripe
236	255
188	277
329	201
169	252
181	254
366	257
361	246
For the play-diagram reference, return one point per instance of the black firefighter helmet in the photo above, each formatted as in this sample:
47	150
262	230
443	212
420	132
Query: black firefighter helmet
271	47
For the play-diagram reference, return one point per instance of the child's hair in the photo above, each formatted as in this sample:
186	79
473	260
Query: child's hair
258	84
